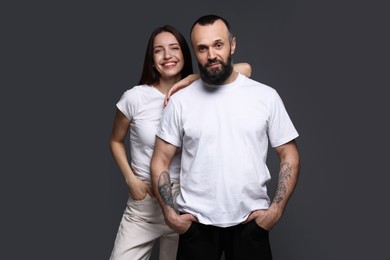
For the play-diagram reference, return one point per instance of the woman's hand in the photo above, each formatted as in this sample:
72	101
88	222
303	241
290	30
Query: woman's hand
138	189
180	85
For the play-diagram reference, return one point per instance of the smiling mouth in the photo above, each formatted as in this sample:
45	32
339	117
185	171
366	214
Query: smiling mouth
169	65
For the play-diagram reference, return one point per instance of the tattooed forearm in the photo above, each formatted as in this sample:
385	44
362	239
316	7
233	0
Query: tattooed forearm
165	189
284	176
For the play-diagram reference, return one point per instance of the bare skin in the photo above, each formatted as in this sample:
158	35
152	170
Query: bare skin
137	188
287	180
213	44
161	159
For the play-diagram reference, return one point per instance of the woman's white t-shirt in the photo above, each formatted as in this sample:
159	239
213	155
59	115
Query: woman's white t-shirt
143	106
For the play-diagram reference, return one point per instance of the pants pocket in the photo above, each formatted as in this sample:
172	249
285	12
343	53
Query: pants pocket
257	232
190	232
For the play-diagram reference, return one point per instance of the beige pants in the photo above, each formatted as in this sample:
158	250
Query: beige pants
142	223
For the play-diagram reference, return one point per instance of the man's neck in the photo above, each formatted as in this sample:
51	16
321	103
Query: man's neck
231	78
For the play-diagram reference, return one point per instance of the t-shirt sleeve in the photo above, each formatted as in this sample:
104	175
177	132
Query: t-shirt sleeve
170	125
128	103
281	130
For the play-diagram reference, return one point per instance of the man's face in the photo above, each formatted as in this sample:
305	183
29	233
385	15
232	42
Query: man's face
213	50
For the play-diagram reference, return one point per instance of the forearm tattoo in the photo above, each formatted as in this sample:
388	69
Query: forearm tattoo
284	176
165	188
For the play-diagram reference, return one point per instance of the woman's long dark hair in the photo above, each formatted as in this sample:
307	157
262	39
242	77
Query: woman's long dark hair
150	75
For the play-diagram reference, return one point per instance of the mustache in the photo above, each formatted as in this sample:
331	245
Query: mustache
209	62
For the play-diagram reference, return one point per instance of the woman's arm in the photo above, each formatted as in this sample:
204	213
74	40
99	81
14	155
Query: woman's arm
137	188
243	68
180	85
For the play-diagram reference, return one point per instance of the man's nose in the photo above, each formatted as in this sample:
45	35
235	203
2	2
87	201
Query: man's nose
211	54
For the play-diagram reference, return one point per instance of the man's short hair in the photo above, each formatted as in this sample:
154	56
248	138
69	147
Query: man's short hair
210	19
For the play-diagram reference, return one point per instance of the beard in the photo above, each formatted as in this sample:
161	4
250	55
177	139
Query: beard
216	76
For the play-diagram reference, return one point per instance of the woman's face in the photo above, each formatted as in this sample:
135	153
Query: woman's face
167	55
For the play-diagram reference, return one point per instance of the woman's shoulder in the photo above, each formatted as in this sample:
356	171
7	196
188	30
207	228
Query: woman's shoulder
136	90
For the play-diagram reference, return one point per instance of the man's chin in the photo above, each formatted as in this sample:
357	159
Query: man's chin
213	70
213	80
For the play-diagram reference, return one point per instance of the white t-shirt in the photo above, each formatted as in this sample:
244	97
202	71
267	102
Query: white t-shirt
224	136
143	106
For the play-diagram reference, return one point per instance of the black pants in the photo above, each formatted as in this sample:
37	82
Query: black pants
243	241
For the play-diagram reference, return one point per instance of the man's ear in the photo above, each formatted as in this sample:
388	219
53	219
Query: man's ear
233	46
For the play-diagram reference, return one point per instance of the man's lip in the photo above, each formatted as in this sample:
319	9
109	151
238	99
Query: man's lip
214	64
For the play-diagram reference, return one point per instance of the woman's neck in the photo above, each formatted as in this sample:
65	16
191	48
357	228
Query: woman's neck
166	84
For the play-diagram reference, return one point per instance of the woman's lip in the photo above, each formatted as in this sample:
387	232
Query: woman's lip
169	64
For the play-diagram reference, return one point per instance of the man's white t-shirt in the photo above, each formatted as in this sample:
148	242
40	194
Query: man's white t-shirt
143	106
224	136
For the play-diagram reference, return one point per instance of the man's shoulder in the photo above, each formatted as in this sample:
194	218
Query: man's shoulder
188	91
255	85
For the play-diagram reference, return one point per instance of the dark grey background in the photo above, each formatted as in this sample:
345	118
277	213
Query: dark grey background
65	65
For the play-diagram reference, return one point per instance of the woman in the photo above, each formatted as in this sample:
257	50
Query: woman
167	62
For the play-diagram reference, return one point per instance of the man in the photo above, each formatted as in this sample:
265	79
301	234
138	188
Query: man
223	123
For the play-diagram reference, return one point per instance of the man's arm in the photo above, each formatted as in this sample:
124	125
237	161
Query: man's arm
288	176
162	189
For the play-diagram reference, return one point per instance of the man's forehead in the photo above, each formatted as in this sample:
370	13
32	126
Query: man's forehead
210	32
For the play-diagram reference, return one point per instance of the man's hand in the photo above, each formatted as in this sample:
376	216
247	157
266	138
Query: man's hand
180	223
265	218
